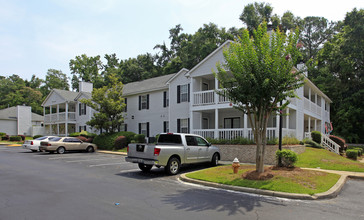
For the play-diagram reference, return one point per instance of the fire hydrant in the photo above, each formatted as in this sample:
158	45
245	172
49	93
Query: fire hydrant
236	165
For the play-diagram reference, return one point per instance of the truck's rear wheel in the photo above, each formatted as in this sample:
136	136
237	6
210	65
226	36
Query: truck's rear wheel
173	166
144	167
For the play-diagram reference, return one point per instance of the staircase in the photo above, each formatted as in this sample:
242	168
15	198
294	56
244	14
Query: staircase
329	144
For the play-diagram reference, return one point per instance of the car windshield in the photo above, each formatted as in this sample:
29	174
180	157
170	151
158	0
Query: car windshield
54	139
40	138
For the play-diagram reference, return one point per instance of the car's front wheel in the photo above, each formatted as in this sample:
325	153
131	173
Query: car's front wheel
173	166
90	149
61	150
215	160
145	167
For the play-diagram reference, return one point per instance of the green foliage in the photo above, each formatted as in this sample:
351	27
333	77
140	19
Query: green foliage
139	138
354	147
238	140
55	79
287	140
289	158
316	136
255	14
257	75
272	141
2	134
311	143
37	136
74	134
15	138
109	104
107	141
5	138
120	142
352	154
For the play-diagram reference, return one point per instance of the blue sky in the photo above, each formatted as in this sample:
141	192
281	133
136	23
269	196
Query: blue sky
38	35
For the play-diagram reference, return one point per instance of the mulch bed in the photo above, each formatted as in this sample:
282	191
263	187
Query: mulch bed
268	173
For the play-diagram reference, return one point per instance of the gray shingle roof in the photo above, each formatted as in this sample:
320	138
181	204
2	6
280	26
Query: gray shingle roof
67	95
11	114
147	85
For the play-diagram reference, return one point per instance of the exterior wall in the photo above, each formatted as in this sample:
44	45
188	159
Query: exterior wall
24	124
9	127
178	110
155	115
82	119
247	153
54	99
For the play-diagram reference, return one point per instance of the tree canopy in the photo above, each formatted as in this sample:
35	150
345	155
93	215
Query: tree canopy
257	76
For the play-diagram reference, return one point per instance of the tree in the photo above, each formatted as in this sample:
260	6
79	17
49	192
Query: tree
54	79
109	104
339	72
86	69
257	76
255	14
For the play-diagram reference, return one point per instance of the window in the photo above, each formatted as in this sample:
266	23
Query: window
183	93
166	126
183	125
232	122
165	99
144	129
144	102
82	128
200	141
82	109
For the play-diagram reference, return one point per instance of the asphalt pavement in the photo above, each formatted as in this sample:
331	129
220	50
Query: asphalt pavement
104	186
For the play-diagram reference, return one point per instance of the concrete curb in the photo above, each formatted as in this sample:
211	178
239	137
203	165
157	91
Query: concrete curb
331	193
111	152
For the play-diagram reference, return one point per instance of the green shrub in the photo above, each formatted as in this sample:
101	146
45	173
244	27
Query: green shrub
120	142
139	138
107	141
5	138
22	137
75	134
316	136
37	136
2	134
311	143
289	158
360	151
15	138
354	147
286	140
353	154
272	141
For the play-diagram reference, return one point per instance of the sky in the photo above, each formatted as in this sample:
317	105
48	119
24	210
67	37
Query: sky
39	35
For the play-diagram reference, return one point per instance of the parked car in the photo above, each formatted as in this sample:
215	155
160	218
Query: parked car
63	144
173	150
33	145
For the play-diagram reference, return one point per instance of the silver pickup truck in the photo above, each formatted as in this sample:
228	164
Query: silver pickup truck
171	151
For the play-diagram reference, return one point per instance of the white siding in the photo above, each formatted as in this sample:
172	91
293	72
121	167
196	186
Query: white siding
9	127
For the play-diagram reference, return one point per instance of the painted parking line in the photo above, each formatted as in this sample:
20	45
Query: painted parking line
106	164
70	157
91	159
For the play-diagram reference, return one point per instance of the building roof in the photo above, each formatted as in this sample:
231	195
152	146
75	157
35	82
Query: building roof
11	114
66	95
152	84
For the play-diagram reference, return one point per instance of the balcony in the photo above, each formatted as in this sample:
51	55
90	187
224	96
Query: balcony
312	107
60	117
209	97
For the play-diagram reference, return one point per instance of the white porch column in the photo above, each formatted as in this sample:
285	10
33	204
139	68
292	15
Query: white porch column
246	126
287	119
315	124
58	113
316	99
216	96
57	129
309	94
216	132
309	124
66	118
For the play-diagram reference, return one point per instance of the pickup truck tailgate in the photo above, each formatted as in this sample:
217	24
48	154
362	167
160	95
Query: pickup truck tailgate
143	151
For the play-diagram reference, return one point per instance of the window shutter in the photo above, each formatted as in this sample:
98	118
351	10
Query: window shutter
126	127
164	126
85	128
164	99
140	128
126	104
188	130
178	125
147	129
188	92
178	94
140	102
148	101
84	109
79	109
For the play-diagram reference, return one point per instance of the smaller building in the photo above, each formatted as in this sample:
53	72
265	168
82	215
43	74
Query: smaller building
19	120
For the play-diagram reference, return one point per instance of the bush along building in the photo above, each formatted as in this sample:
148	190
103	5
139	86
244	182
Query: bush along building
187	102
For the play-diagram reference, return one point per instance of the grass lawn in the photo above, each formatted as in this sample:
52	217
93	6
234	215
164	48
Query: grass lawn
296	181
124	150
313	158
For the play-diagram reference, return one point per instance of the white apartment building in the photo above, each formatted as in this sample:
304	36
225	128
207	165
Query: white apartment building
186	102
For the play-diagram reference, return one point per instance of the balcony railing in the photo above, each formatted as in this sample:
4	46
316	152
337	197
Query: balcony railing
60	117
208	98
231	134
311	106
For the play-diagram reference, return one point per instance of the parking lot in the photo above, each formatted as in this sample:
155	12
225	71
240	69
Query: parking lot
104	186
